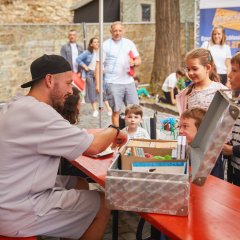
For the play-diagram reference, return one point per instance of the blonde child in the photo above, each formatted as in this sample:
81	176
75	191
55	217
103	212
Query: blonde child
133	117
200	68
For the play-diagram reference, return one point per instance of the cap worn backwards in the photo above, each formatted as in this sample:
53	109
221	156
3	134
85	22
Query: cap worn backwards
47	64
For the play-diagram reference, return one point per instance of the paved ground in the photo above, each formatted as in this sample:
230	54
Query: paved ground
128	221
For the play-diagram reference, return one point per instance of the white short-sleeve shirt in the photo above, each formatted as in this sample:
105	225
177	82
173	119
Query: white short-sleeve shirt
32	140
170	82
219	53
116	60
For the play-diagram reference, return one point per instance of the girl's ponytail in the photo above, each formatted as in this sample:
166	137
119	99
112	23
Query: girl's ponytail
213	74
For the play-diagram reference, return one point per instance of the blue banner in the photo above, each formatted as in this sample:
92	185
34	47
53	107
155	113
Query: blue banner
229	18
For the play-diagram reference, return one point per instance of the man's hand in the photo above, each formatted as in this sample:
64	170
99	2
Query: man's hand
227	150
97	88
120	140
131	62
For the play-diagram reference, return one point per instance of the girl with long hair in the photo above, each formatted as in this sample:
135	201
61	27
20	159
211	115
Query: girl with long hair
201	69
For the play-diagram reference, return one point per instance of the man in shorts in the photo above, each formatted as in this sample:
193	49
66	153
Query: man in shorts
120	56
34	136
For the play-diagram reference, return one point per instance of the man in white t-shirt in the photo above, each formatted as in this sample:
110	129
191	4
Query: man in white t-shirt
120	56
71	50
34	136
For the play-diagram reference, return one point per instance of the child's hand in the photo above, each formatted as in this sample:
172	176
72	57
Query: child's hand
227	149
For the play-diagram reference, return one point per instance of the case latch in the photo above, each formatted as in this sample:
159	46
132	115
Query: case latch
199	181
234	112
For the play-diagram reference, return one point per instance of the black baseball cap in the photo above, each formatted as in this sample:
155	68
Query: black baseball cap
47	64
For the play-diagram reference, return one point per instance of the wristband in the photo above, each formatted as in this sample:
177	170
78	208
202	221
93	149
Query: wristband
117	128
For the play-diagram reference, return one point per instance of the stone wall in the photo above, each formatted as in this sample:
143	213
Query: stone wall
30	28
40	11
21	44
131	11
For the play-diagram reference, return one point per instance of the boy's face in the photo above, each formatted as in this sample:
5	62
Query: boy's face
187	128
234	76
132	120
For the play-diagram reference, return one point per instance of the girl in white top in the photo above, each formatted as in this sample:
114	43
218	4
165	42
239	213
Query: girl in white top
220	51
200	68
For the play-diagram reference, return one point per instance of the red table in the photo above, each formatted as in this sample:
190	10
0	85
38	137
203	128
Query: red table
214	208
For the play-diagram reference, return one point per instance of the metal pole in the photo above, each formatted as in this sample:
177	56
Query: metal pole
196	23
100	61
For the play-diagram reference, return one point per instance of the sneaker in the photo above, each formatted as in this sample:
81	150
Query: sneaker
109	113
95	113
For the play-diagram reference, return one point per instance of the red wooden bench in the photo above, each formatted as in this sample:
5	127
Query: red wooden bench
17	238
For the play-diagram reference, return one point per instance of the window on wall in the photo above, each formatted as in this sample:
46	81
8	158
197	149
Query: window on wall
146	12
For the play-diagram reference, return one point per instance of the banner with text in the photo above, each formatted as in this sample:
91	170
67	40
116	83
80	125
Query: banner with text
223	13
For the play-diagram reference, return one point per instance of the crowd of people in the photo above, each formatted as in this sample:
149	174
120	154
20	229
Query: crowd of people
44	134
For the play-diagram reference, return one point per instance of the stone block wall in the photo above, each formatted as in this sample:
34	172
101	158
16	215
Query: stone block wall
21	44
30	28
131	11
40	11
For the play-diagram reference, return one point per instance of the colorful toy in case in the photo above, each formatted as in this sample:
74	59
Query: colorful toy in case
169	124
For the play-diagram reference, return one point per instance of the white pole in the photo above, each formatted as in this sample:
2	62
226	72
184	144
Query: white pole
100	61
196	23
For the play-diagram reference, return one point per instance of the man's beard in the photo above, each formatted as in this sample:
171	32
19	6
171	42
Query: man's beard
56	102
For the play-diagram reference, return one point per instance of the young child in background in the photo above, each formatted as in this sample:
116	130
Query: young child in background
189	123
170	88
200	68
73	176
133	117
141	91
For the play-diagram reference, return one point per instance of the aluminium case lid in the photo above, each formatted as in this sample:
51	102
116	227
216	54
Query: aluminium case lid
211	136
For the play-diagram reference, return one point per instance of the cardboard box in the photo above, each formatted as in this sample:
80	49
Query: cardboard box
166	167
169	193
154	147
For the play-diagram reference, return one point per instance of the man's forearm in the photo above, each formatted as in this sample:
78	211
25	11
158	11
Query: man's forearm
104	139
